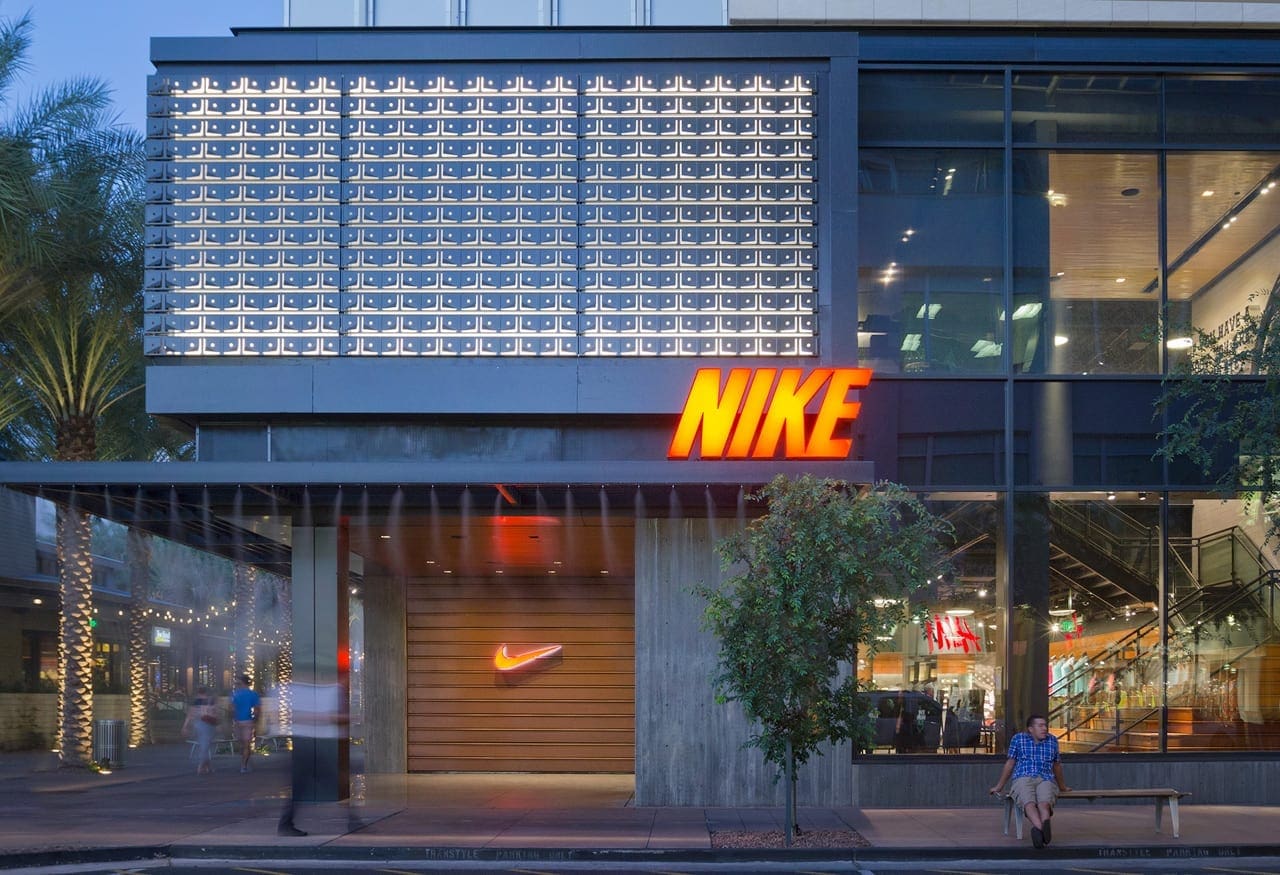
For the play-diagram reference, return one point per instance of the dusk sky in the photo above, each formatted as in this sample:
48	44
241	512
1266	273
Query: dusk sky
110	39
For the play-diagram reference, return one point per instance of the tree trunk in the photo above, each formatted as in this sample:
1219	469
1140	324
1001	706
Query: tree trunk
75	641
245	596
791	794
138	561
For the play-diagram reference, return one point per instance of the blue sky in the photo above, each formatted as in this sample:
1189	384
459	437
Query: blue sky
111	39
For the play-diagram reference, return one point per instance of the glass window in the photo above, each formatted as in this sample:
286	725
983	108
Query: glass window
931	107
1086	575
939	681
1093	107
933	433
665	13
1223	218
1086	262
1222	638
504	13
1232	110
1086	433
597	13
930	276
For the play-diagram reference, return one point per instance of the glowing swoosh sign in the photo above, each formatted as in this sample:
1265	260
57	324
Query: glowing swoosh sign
505	661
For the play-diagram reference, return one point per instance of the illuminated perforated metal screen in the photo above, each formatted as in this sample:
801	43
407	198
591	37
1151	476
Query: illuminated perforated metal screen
447	214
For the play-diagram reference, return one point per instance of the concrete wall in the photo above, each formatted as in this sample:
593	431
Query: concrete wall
1035	13
689	748
927	783
385	665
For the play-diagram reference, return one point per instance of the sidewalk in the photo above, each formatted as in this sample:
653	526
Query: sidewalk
157	805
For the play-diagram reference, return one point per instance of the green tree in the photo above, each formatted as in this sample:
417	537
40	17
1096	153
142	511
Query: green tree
826	569
1222	403
72	353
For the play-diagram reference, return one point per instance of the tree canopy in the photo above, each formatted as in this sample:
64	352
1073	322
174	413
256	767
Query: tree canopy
826	569
1221	401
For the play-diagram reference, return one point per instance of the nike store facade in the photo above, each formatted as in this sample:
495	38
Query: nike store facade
488	336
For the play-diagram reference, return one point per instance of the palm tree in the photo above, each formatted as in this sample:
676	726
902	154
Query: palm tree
72	354
28	192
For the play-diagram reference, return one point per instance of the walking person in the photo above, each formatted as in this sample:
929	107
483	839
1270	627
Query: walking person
246	706
1036	770
201	722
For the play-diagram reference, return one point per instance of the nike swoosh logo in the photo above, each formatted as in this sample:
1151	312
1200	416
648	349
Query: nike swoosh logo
504	661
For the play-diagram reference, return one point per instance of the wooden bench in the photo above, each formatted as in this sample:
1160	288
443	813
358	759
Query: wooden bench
1161	795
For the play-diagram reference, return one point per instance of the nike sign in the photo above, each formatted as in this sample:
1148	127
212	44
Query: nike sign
504	661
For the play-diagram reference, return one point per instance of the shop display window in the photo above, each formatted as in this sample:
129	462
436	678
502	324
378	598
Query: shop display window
935	680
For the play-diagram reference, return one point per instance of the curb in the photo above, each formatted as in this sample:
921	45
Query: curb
29	859
727	855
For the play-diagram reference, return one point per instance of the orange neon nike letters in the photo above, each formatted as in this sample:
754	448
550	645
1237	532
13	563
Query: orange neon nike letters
756	409
504	661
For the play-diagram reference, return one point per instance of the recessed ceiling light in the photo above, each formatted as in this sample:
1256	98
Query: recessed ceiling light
604	571
1179	343
1120	279
1208	192
385	537
37	601
1061	340
498	571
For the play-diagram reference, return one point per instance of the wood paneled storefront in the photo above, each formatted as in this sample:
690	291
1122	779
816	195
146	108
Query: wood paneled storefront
573	712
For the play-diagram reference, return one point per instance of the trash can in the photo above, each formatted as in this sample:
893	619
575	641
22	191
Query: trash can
109	743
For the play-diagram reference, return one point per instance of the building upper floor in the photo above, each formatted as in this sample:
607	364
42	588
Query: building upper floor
683	13
392	211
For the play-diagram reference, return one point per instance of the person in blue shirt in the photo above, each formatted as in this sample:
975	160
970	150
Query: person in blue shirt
1036	770
246	707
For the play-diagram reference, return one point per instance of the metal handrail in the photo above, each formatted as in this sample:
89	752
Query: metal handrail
1268	579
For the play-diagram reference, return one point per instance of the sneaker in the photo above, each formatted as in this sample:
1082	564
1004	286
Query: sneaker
289	830
1037	837
1047	831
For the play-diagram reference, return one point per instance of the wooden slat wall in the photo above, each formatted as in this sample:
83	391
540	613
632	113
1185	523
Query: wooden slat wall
575	715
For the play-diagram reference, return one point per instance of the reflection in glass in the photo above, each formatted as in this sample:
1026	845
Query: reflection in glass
1090	107
1086	262
938	681
930	275
931	107
1224	214
1221	109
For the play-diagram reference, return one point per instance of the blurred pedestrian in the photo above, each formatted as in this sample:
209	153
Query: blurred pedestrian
201	723
319	711
246	706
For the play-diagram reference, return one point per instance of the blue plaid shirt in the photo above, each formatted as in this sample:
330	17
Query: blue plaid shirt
1033	758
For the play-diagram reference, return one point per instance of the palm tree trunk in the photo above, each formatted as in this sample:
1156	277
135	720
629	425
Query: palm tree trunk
75	644
245	596
138	560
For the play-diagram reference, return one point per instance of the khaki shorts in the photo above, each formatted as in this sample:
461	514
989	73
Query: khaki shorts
1030	789
244	732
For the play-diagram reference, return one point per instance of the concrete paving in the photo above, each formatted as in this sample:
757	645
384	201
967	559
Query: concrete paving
155	804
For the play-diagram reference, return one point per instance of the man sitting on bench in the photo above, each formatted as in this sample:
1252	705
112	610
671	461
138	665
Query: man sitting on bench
1036	769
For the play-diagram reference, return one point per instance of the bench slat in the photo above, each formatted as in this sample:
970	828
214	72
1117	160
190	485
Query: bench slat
1120	794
